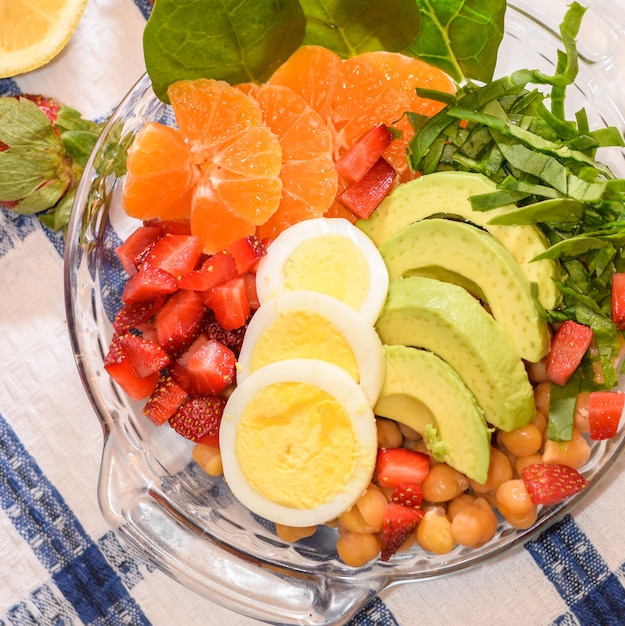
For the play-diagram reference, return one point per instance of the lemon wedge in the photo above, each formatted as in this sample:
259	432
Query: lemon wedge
33	32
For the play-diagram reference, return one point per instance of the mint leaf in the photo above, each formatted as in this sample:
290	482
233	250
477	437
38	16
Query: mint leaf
233	40
352	27
461	37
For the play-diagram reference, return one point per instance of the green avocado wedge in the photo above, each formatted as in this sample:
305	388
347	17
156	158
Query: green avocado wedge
446	194
425	393
471	257
447	320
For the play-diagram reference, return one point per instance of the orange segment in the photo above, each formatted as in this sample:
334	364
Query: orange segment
160	175
406	73
308	174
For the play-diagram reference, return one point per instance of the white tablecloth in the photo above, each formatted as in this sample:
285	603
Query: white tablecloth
61	564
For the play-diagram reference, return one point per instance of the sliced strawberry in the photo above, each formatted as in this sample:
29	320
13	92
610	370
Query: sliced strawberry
229	303
120	369
165	400
550	484
246	252
568	347
176	254
408	494
363	197
198	419
210	366
133	314
605	409
215	271
399	521
362	155
148	284
180	321
397	466
133	251
146	357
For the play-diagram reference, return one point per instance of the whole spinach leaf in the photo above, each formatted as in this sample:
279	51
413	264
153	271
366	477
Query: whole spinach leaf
352	27
233	40
461	37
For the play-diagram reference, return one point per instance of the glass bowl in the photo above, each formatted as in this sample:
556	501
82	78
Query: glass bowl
187	523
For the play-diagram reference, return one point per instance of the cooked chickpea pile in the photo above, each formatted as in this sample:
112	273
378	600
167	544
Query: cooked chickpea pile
458	511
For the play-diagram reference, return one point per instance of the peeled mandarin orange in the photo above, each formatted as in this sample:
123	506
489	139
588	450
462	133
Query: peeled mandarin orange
33	32
309	178
160	174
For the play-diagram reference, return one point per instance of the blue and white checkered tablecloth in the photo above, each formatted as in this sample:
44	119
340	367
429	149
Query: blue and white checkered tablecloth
59	562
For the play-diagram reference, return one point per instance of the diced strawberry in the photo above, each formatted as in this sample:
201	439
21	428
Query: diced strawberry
398	466
171	227
210	365
215	271
362	155
399	522
179	374
408	494
165	400
568	347
49	106
250	288
232	338
133	251
145	356
246	252
148	284
176	254
604	413
133	314
363	197
229	303
198	419
550	484
180	321
120	369
618	300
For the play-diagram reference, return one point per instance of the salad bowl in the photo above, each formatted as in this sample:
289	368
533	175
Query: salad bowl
187	523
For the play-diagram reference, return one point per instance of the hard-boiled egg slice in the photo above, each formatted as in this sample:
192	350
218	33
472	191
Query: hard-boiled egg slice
312	325
298	442
329	255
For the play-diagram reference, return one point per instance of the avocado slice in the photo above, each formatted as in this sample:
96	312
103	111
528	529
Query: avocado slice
446	319
447	193
471	257
427	394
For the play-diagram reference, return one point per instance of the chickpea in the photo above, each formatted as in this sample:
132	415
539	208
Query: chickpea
458	503
542	395
475	524
581	412
443	483
515	504
523	461
434	533
208	458
537	372
409	433
356	549
389	435
367	515
540	420
573	453
294	533
499	470
522	441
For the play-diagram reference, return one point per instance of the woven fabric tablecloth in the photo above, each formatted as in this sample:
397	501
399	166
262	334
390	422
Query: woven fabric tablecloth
61	564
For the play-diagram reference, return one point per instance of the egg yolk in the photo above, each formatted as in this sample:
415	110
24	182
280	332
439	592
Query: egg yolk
303	335
330	264
295	445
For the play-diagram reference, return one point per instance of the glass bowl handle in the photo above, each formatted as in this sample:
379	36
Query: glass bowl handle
141	517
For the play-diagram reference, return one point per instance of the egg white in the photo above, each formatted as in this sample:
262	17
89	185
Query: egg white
337	383
270	276
361	336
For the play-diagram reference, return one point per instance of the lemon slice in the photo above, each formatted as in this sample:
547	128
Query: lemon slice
32	32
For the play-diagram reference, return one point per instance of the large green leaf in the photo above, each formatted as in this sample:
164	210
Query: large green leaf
233	40
461	37
352	27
